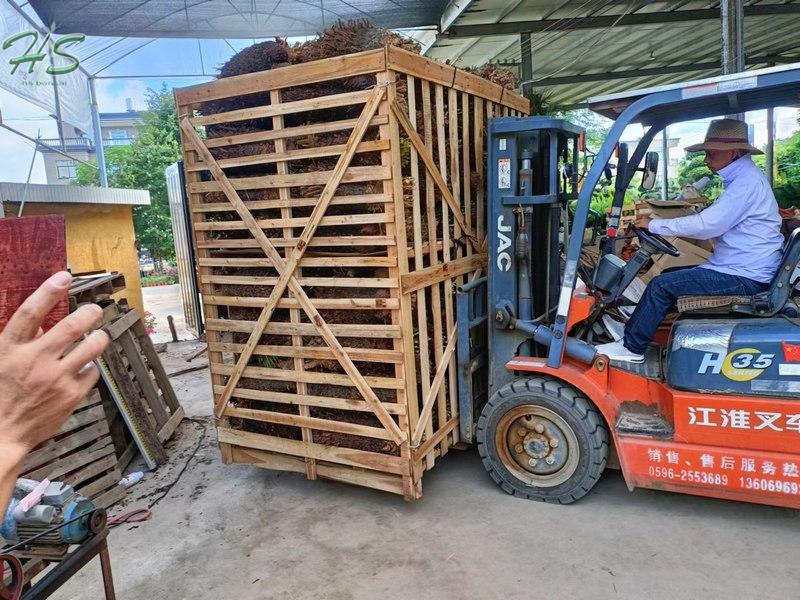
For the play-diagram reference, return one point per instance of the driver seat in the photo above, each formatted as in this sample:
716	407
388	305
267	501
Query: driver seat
768	303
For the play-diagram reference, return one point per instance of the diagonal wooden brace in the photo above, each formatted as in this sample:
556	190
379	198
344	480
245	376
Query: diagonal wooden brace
436	384
287	266
430	165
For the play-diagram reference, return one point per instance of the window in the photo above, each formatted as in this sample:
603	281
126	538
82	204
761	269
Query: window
66	169
119	137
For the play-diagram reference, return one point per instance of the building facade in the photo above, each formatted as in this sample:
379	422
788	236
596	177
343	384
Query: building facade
117	129
99	223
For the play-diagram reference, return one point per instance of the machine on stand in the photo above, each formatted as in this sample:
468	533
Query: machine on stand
43	521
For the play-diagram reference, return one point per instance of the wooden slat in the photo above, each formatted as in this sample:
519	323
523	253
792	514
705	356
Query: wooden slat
282	462
109	498
422	309
307	329
351	175
171	425
338	220
63	446
290	202
75	460
311	400
84	417
294	314
478	151
317	71
446	243
302	154
444	430
283	108
307	422
387	383
318	241
108	462
441	272
438	380
306	261
402	318
435	290
287	133
320	303
119	326
316	352
345	456
345	282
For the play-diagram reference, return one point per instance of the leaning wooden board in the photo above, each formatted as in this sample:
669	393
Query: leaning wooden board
31	250
330	232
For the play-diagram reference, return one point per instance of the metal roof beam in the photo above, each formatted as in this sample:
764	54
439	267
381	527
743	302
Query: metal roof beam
655	71
601	22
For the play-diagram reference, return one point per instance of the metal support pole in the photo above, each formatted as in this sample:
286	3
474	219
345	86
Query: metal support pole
665	170
526	62
732	17
98	135
769	158
57	99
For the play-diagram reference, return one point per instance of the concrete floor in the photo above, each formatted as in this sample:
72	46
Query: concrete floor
239	532
161	301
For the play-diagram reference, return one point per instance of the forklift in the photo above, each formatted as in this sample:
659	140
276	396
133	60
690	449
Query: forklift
714	410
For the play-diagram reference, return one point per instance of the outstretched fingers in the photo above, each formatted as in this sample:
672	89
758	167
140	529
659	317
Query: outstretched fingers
27	320
85	352
70	329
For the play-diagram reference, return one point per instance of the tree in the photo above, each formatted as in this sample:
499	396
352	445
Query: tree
141	165
692	167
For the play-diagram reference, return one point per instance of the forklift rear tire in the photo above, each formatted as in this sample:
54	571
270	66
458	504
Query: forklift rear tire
541	439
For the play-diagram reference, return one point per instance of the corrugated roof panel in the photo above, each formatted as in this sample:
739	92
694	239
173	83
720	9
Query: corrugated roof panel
574	63
71	194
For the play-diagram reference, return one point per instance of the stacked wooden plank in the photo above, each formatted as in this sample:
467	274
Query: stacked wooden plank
331	232
81	454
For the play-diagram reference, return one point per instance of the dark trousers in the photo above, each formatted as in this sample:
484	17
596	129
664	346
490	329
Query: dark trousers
662	292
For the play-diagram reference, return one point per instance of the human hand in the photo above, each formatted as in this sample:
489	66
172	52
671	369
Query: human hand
643	222
43	376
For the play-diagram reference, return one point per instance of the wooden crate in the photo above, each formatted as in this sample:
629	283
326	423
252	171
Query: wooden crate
331	226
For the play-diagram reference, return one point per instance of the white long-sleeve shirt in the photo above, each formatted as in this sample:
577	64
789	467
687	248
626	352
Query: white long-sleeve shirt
744	224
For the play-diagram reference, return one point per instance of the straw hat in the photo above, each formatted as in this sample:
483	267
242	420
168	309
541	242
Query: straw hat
726	134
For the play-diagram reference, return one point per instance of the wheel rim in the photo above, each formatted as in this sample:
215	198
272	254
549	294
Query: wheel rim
537	446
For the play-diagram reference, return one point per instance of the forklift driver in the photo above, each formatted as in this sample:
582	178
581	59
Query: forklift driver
744	224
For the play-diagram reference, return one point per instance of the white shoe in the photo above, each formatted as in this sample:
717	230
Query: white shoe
618	351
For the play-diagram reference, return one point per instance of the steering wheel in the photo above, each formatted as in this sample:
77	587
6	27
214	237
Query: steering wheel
658	243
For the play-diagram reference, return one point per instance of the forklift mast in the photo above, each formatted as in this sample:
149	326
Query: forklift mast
533	175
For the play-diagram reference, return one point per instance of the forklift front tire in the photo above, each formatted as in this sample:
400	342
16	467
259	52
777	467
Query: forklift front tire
541	439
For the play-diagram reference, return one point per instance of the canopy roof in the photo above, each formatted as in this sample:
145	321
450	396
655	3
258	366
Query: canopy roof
581	48
228	18
714	96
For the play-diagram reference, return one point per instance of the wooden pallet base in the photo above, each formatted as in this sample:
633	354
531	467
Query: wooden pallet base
283	462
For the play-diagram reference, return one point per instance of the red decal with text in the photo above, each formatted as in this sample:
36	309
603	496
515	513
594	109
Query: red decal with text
769	424
712	471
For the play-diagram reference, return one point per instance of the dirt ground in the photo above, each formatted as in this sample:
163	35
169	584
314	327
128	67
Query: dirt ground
238	532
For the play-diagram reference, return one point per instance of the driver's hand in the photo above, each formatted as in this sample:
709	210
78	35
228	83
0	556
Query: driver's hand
643	222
